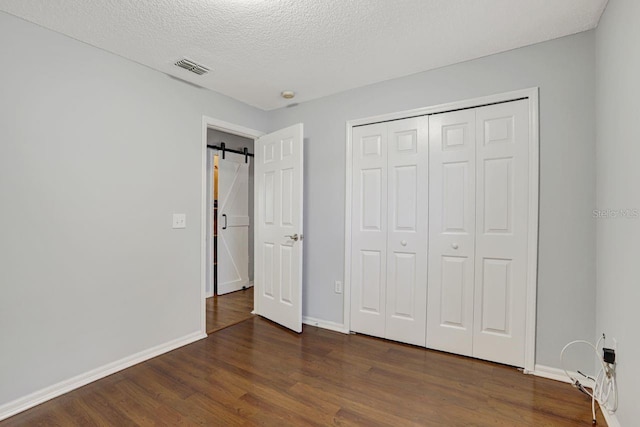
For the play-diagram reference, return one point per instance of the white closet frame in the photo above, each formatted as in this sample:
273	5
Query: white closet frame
531	95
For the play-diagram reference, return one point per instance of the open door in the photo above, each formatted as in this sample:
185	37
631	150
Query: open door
278	234
233	223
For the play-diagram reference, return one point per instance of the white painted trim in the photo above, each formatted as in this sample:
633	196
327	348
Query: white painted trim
534	167
221	125
551	373
22	404
532	250
346	289
324	324
559	375
231	128
611	419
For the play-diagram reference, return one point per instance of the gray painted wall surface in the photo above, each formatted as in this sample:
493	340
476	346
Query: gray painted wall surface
618	175
215	137
96	153
564	71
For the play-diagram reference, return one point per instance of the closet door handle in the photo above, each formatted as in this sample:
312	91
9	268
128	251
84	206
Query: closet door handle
403	243
454	245
225	221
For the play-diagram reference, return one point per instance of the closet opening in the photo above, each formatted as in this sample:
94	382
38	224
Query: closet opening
441	227
229	230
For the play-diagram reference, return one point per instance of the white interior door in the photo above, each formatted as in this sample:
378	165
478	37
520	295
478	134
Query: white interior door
389	230
369	230
233	223
279	238
451	231
502	160
407	155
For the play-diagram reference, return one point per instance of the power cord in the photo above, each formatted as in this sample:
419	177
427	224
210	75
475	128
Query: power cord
604	384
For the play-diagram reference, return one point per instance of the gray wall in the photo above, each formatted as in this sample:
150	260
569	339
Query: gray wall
215	137
618	153
564	71
96	153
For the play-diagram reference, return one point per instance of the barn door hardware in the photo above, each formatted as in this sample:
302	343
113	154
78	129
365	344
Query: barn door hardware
223	147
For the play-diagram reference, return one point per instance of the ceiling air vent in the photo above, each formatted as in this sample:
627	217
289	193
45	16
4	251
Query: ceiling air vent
192	66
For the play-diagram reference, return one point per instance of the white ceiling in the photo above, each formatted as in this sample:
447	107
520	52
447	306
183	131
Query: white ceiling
257	48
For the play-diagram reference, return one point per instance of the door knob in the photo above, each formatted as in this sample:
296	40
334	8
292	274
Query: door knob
295	237
454	245
403	243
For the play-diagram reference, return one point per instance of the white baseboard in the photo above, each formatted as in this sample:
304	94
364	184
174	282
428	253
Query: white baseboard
29	401
208	294
324	324
559	375
550	373
611	419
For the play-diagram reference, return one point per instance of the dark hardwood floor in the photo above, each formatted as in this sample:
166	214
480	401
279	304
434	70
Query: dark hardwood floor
256	373
227	310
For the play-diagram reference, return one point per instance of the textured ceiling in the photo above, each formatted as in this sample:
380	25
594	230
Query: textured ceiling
257	48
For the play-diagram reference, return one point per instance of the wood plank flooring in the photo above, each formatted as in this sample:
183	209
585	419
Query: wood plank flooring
256	373
227	310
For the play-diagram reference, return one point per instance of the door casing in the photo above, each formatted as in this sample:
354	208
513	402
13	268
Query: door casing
532	95
213	123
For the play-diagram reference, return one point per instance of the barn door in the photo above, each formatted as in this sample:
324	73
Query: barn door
233	223
279	234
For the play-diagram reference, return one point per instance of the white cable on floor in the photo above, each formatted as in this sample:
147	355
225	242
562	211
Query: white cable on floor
604	384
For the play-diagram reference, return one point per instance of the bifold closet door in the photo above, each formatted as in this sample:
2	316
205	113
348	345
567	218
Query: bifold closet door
407	239
369	229
389	230
502	206
479	198
452	140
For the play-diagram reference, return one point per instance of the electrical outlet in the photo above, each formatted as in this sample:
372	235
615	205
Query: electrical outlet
338	287
179	221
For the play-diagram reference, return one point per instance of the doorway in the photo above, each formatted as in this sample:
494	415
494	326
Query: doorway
229	229
278	210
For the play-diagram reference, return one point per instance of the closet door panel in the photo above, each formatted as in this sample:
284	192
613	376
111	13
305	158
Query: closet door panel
369	230
452	139
502	163
407	230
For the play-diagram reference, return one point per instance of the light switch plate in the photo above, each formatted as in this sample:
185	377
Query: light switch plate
179	220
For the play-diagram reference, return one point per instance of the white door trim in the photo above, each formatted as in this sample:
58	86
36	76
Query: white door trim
212	123
532	253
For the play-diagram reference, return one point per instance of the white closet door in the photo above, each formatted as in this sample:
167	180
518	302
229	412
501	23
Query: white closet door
502	159
451	231
233	223
369	230
406	294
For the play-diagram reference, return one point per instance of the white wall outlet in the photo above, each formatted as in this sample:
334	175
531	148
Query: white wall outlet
338	287
179	220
